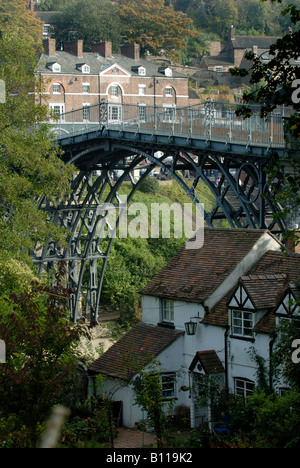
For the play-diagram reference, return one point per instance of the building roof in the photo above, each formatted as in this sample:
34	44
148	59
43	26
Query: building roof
264	289
193	275
267	280
134	351
247	42
69	64
209	361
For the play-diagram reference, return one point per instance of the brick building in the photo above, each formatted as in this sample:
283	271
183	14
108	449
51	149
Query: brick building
75	79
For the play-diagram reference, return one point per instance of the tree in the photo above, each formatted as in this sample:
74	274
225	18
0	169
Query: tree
276	84
30	165
41	347
278	74
92	21
155	26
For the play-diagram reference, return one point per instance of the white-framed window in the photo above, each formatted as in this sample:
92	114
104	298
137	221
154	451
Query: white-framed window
168	381
242	323
169	113
142	112
58	110
243	387
56	68
114	91
169	91
86	88
86	69
167	311
142	71
56	88
46	30
86	112
115	113
142	90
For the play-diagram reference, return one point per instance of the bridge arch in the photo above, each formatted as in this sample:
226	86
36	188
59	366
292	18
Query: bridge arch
237	182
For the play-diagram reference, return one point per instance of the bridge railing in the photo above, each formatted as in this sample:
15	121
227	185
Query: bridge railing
215	121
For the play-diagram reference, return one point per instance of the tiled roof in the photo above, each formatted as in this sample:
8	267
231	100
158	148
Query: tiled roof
192	275
266	280
209	361
264	290
134	350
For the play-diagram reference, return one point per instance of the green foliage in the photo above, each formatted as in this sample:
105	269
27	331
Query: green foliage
149	185
149	396
265	421
41	352
30	166
95	22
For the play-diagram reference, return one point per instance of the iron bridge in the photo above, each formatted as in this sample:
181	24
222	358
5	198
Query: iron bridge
111	144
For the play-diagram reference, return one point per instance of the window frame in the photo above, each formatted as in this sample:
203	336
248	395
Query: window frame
167	306
86	112
58	90
242	326
86	86
245	391
168	385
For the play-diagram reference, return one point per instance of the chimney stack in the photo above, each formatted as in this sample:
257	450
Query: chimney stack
50	47
131	50
74	47
103	48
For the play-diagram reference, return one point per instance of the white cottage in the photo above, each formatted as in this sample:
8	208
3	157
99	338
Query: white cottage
201	315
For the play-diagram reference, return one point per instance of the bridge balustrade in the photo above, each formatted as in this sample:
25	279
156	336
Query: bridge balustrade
216	121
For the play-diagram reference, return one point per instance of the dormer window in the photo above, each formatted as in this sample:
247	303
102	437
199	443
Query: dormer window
242	323
139	70
167	71
142	71
84	68
55	67
242	314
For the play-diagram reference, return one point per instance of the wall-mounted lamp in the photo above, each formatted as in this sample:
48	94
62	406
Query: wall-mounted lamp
191	327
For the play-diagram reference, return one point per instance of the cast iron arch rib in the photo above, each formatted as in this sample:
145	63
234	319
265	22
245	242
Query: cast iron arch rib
238	203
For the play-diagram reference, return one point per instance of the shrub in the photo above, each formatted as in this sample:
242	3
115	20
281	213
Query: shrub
149	185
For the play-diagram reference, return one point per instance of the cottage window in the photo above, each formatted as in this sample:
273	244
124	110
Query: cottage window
243	387
168	311
168	385
242	323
